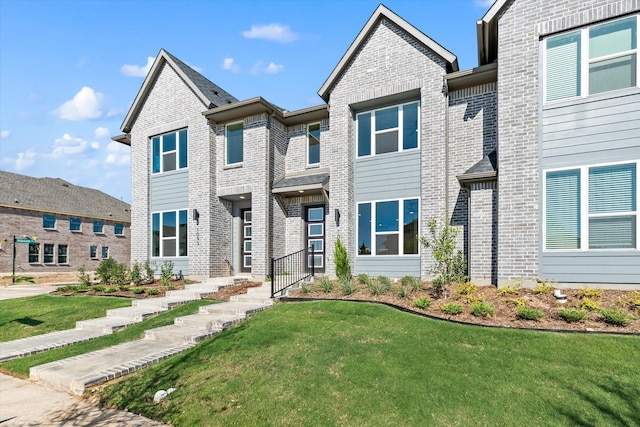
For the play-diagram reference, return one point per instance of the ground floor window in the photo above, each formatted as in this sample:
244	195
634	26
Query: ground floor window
169	233
388	227
105	252
34	253
63	251
591	207
48	253
93	252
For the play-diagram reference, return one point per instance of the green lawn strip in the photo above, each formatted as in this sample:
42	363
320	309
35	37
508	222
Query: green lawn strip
340	363
20	367
25	317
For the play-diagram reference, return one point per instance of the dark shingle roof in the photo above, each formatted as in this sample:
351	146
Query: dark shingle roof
58	196
214	93
297	181
485	169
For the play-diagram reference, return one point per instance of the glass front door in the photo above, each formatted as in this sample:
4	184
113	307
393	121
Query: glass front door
246	233
315	236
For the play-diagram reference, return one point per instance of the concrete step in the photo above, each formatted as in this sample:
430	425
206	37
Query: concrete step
235	308
106	324
165	303
257	298
136	313
260	290
39	343
178	335
208	321
76	373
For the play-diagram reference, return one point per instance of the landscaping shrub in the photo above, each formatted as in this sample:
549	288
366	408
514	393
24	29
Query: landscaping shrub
166	271
136	274
341	257
376	287
483	309
326	285
529	313
467	288
385	281
542	288
404	291
149	271
617	317
363	278
589	293
571	315
422	302
151	291
347	286
105	270
510	289
98	288
80	288
124	288
450	265
137	290
411	282
452	308
120	274
110	289
589	304
83	277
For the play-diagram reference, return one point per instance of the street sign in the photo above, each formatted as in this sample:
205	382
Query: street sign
25	241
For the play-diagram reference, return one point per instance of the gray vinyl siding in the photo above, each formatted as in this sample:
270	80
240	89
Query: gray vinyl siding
391	266
169	191
389	176
179	264
591	131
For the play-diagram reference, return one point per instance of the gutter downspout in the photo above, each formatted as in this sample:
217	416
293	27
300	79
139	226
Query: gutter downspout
446	149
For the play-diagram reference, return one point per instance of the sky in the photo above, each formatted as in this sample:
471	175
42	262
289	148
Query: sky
70	69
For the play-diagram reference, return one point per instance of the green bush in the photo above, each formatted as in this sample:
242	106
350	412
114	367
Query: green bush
510	288
106	269
136	273
166	271
341	257
529	313
422	302
80	288
543	287
83	277
137	290
149	271
404	291
411	282
589	293
110	290
98	288
452	308
467	288
450	265
571	315
484	309
385	281
124	288
326	285
376	287
67	288
617	317
120	274
347	286
589	304
151	291
363	278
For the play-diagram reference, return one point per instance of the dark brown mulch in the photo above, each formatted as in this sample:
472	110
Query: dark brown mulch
225	293
505	315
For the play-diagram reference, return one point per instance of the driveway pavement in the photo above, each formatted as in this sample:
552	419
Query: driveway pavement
19	291
23	403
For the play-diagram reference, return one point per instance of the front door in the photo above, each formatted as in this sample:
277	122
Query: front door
314	236
246	231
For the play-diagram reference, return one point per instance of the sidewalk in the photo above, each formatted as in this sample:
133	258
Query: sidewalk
23	403
22	290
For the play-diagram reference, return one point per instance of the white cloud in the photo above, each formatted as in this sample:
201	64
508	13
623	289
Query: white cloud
68	146
484	3
86	104
136	70
25	160
273	32
230	64
117	154
5	134
273	68
102	132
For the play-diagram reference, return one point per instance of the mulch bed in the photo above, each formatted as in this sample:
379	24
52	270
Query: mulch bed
505	315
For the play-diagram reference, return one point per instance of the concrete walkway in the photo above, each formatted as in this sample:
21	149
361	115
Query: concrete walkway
19	291
23	403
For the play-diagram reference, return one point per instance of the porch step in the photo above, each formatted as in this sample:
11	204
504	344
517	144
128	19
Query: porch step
208	321
107	325
39	343
234	308
179	335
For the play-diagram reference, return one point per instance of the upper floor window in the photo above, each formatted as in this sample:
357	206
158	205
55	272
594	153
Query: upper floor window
313	144
48	221
592	207
388	130
98	226
75	224
118	229
235	143
592	60
169	151
169	234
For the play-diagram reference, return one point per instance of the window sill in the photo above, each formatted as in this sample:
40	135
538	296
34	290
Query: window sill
100	233
313	166
49	229
232	166
120	235
76	231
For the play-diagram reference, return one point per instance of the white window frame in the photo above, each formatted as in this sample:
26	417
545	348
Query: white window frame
400	231
102	252
66	254
584	208
79	230
400	128
314	224
226	144
244	261
163	238
321	246
307	143
245	246
585	61
55	222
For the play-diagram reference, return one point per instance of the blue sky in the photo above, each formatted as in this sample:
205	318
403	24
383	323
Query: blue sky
69	70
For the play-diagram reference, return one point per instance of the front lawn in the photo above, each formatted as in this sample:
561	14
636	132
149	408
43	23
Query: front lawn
25	317
343	363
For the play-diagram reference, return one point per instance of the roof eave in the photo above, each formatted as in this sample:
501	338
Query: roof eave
379	13
306	115
473	77
124	138
238	110
467	179
487	33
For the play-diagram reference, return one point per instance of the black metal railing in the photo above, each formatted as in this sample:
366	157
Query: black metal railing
290	269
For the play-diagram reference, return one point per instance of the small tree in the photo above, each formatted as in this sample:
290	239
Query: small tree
136	274
106	270
343	267
166	271
83	277
450	265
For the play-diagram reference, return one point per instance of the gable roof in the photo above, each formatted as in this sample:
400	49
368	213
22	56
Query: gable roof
487	32
210	94
54	195
380	13
485	170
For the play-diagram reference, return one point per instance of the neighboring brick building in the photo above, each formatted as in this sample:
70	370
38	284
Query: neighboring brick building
73	226
507	151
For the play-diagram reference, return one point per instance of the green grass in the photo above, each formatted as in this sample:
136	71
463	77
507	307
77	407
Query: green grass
339	363
25	317
20	367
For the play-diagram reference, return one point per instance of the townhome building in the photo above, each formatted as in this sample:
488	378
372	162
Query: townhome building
56	226
533	154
